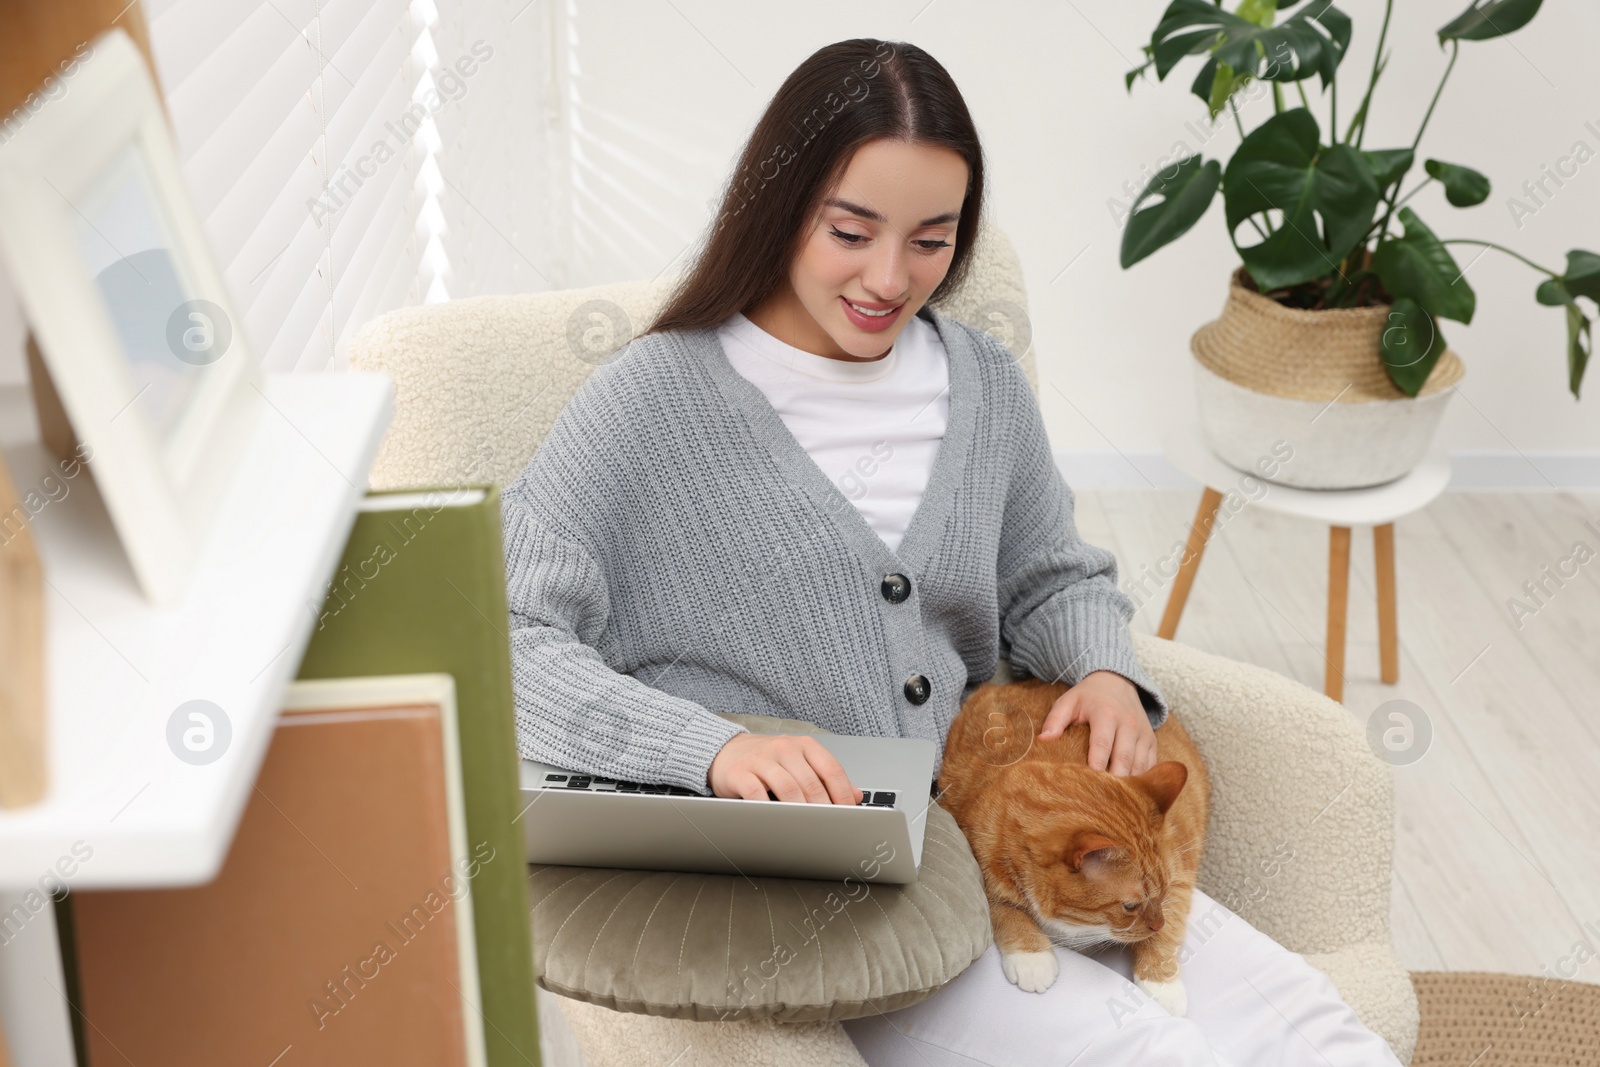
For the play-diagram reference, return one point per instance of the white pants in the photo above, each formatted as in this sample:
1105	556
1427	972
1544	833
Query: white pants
1252	1003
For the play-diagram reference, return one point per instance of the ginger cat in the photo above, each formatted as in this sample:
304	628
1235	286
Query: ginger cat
1070	855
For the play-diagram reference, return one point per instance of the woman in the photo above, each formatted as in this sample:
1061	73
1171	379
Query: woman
802	493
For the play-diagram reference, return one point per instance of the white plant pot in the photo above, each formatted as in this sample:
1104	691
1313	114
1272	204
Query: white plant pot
1267	373
1336	445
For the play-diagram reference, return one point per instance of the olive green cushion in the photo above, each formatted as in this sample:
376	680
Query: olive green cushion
722	946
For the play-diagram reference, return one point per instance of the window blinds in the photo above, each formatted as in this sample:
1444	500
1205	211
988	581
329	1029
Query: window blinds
502	147
348	157
351	156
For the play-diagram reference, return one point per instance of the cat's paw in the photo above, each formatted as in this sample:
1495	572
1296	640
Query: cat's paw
1169	994
1033	972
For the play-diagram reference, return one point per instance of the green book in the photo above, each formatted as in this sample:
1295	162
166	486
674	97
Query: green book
421	588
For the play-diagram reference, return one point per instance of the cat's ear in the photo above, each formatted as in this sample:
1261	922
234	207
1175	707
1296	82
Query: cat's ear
1162	783
1090	852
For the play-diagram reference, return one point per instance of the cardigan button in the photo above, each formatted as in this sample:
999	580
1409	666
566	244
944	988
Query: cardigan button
918	689
895	588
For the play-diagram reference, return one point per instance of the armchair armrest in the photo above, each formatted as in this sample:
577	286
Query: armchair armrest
1301	837
1302	814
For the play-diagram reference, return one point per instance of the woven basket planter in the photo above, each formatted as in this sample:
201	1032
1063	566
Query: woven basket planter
1266	374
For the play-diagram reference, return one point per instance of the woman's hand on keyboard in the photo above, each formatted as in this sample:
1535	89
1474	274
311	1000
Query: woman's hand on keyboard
793	767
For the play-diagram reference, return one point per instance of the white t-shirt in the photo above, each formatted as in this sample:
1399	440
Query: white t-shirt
873	427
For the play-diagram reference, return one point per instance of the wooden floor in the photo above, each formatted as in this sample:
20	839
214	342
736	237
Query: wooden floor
1498	831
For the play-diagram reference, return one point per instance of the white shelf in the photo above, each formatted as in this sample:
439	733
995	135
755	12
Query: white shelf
118	668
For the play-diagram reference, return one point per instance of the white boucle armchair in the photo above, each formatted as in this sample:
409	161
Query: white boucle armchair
1301	830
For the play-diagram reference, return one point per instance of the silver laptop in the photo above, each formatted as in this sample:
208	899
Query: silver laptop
588	821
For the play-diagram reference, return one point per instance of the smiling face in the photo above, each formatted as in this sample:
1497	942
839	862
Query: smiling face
875	251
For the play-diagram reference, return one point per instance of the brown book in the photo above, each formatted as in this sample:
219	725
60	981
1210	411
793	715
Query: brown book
340	928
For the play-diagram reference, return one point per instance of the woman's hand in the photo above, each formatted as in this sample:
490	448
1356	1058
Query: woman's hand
1120	737
795	767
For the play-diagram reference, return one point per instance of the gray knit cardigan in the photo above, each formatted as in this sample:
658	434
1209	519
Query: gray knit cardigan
671	548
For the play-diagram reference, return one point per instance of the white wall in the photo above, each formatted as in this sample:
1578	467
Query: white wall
590	150
668	99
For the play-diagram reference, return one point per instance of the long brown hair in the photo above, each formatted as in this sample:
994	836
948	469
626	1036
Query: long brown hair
841	97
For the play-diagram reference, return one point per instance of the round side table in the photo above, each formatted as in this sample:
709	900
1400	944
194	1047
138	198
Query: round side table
1378	507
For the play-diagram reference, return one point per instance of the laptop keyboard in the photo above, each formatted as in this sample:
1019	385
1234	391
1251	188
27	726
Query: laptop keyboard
876	798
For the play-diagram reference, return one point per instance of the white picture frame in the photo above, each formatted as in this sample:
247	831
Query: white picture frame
132	318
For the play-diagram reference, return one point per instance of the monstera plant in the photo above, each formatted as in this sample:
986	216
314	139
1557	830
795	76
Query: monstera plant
1319	219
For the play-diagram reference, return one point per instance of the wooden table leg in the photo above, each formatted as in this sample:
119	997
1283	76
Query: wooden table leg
1199	534
1338	601
1388	627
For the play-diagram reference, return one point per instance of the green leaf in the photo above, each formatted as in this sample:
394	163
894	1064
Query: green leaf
1419	266
1216	83
1581	279
1411	345
1168	50
1489	18
1260	12
1583	274
1282	166
1551	293
1389	165
1185	197
1463	186
1580	346
1312	41
1129	78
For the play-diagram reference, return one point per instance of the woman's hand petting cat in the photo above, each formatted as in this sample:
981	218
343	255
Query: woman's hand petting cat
794	767
1120	737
